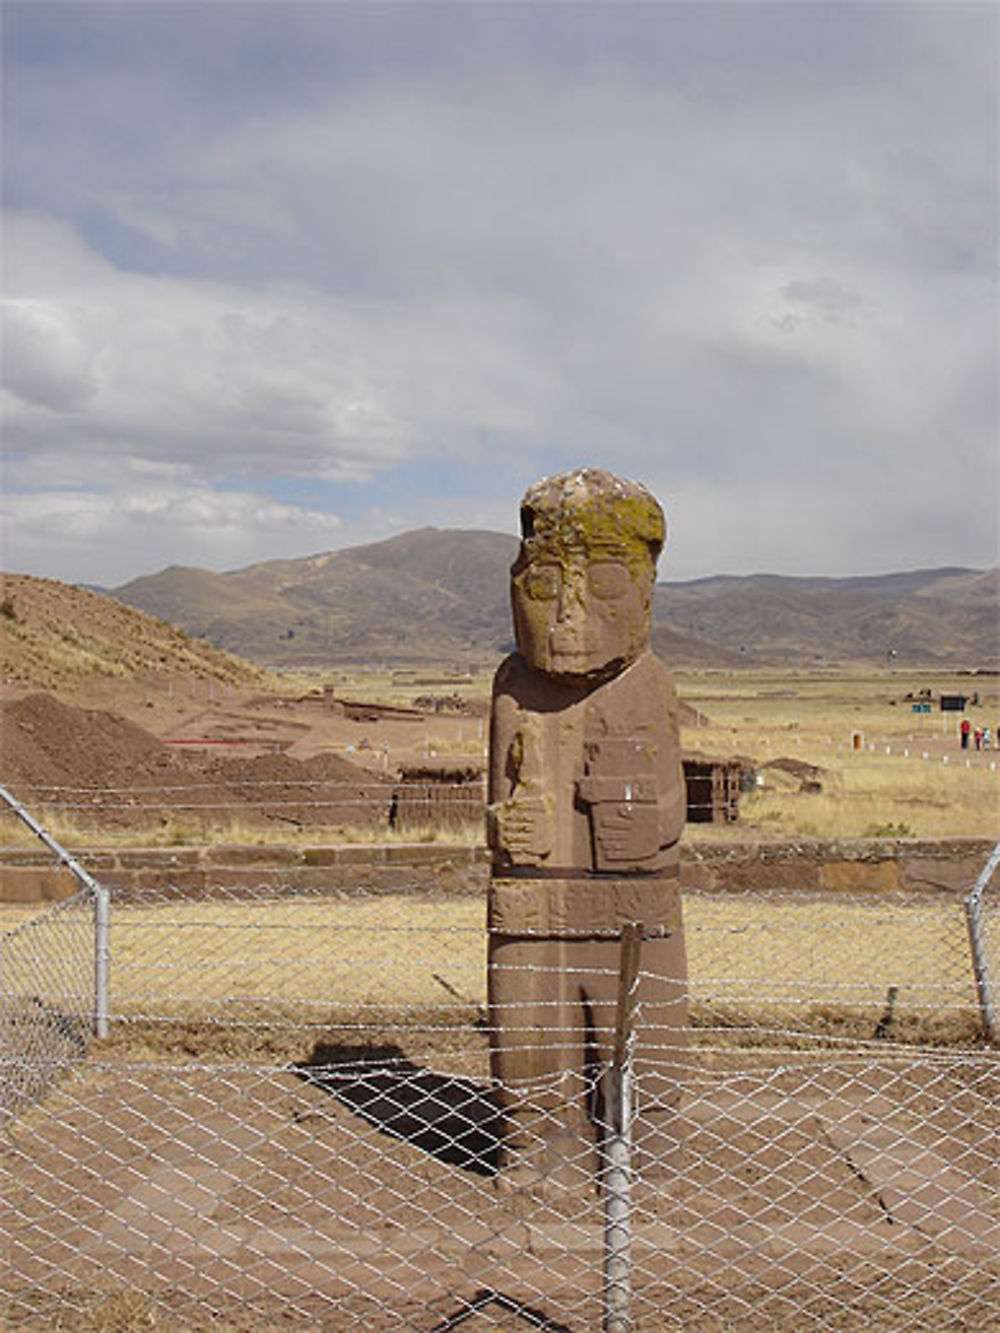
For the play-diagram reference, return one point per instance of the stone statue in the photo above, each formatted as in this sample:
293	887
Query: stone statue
586	806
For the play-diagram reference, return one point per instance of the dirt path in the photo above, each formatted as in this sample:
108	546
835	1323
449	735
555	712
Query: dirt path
341	1199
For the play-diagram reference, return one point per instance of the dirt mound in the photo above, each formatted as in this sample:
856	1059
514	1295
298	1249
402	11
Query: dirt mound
281	768
46	742
323	790
76	760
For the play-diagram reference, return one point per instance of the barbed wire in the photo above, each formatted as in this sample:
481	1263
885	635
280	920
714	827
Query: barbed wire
37	789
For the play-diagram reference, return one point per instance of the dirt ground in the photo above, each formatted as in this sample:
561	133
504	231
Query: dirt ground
210	714
96	767
221	1190
362	1191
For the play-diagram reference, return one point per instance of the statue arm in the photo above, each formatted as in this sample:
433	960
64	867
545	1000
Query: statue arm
671	786
520	808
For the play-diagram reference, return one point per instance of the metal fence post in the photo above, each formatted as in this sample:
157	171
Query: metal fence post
102	911
977	946
102	960
618	1144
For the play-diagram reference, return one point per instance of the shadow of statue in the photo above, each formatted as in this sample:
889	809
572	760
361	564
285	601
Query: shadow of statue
454	1119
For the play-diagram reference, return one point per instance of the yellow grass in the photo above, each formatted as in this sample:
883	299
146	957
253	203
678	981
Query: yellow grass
397	688
300	951
190	831
884	788
872	795
397	953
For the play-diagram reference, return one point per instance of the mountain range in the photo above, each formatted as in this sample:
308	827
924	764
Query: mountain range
437	596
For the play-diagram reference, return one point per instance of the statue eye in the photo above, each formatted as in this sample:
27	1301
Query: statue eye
608	581
541	582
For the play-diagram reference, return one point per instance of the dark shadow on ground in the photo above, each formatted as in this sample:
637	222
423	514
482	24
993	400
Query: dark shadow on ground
454	1119
487	1296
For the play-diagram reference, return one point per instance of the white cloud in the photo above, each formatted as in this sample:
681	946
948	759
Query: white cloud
211	375
254	380
47	364
744	254
108	538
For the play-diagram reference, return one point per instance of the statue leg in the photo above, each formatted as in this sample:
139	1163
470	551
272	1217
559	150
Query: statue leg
553	1007
658	1051
538	1057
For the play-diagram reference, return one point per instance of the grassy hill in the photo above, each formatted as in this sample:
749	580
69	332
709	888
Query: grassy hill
53	634
426	596
945	615
441	596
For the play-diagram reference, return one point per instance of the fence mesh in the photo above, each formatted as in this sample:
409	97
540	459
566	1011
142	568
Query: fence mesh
46	1001
292	1120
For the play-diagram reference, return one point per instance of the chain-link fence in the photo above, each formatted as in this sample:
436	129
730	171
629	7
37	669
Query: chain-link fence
984	947
46	1001
292	1120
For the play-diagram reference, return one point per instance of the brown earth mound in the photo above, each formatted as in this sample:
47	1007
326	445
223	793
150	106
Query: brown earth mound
44	742
320	791
74	760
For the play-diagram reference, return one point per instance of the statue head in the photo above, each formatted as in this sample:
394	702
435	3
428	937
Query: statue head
582	583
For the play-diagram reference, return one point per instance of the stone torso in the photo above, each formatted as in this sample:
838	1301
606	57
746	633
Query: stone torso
585	780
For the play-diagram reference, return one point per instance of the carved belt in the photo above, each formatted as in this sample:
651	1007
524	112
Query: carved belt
577	906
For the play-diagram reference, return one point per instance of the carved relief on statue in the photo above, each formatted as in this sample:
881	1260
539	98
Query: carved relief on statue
586	806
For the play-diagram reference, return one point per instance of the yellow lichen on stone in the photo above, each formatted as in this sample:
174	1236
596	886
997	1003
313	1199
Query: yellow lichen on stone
593	513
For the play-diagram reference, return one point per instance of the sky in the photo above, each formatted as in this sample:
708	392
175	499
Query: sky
284	278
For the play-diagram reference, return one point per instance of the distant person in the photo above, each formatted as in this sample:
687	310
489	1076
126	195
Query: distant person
978	737
964	730
987	738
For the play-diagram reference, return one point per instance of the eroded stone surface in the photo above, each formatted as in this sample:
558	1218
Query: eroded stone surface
586	806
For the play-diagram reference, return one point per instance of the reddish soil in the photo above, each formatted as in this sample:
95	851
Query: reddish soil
62	756
794	1199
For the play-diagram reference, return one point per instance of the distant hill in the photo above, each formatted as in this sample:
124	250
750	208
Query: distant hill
54	635
433	596
947	615
425	596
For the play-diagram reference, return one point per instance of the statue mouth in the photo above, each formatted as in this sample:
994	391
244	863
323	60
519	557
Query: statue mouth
585	669
567	642
568	654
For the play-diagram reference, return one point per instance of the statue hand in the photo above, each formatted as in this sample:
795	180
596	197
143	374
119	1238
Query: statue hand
625	833
521	827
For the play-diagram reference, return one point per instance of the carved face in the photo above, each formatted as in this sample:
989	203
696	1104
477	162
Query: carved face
577	615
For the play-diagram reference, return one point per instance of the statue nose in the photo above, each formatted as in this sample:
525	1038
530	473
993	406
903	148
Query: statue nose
570	600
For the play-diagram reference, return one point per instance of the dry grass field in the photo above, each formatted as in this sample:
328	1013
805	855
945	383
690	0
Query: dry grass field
397	952
301	962
907	778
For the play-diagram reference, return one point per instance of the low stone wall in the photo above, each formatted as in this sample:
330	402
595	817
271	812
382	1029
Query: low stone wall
362	868
864	865
849	865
